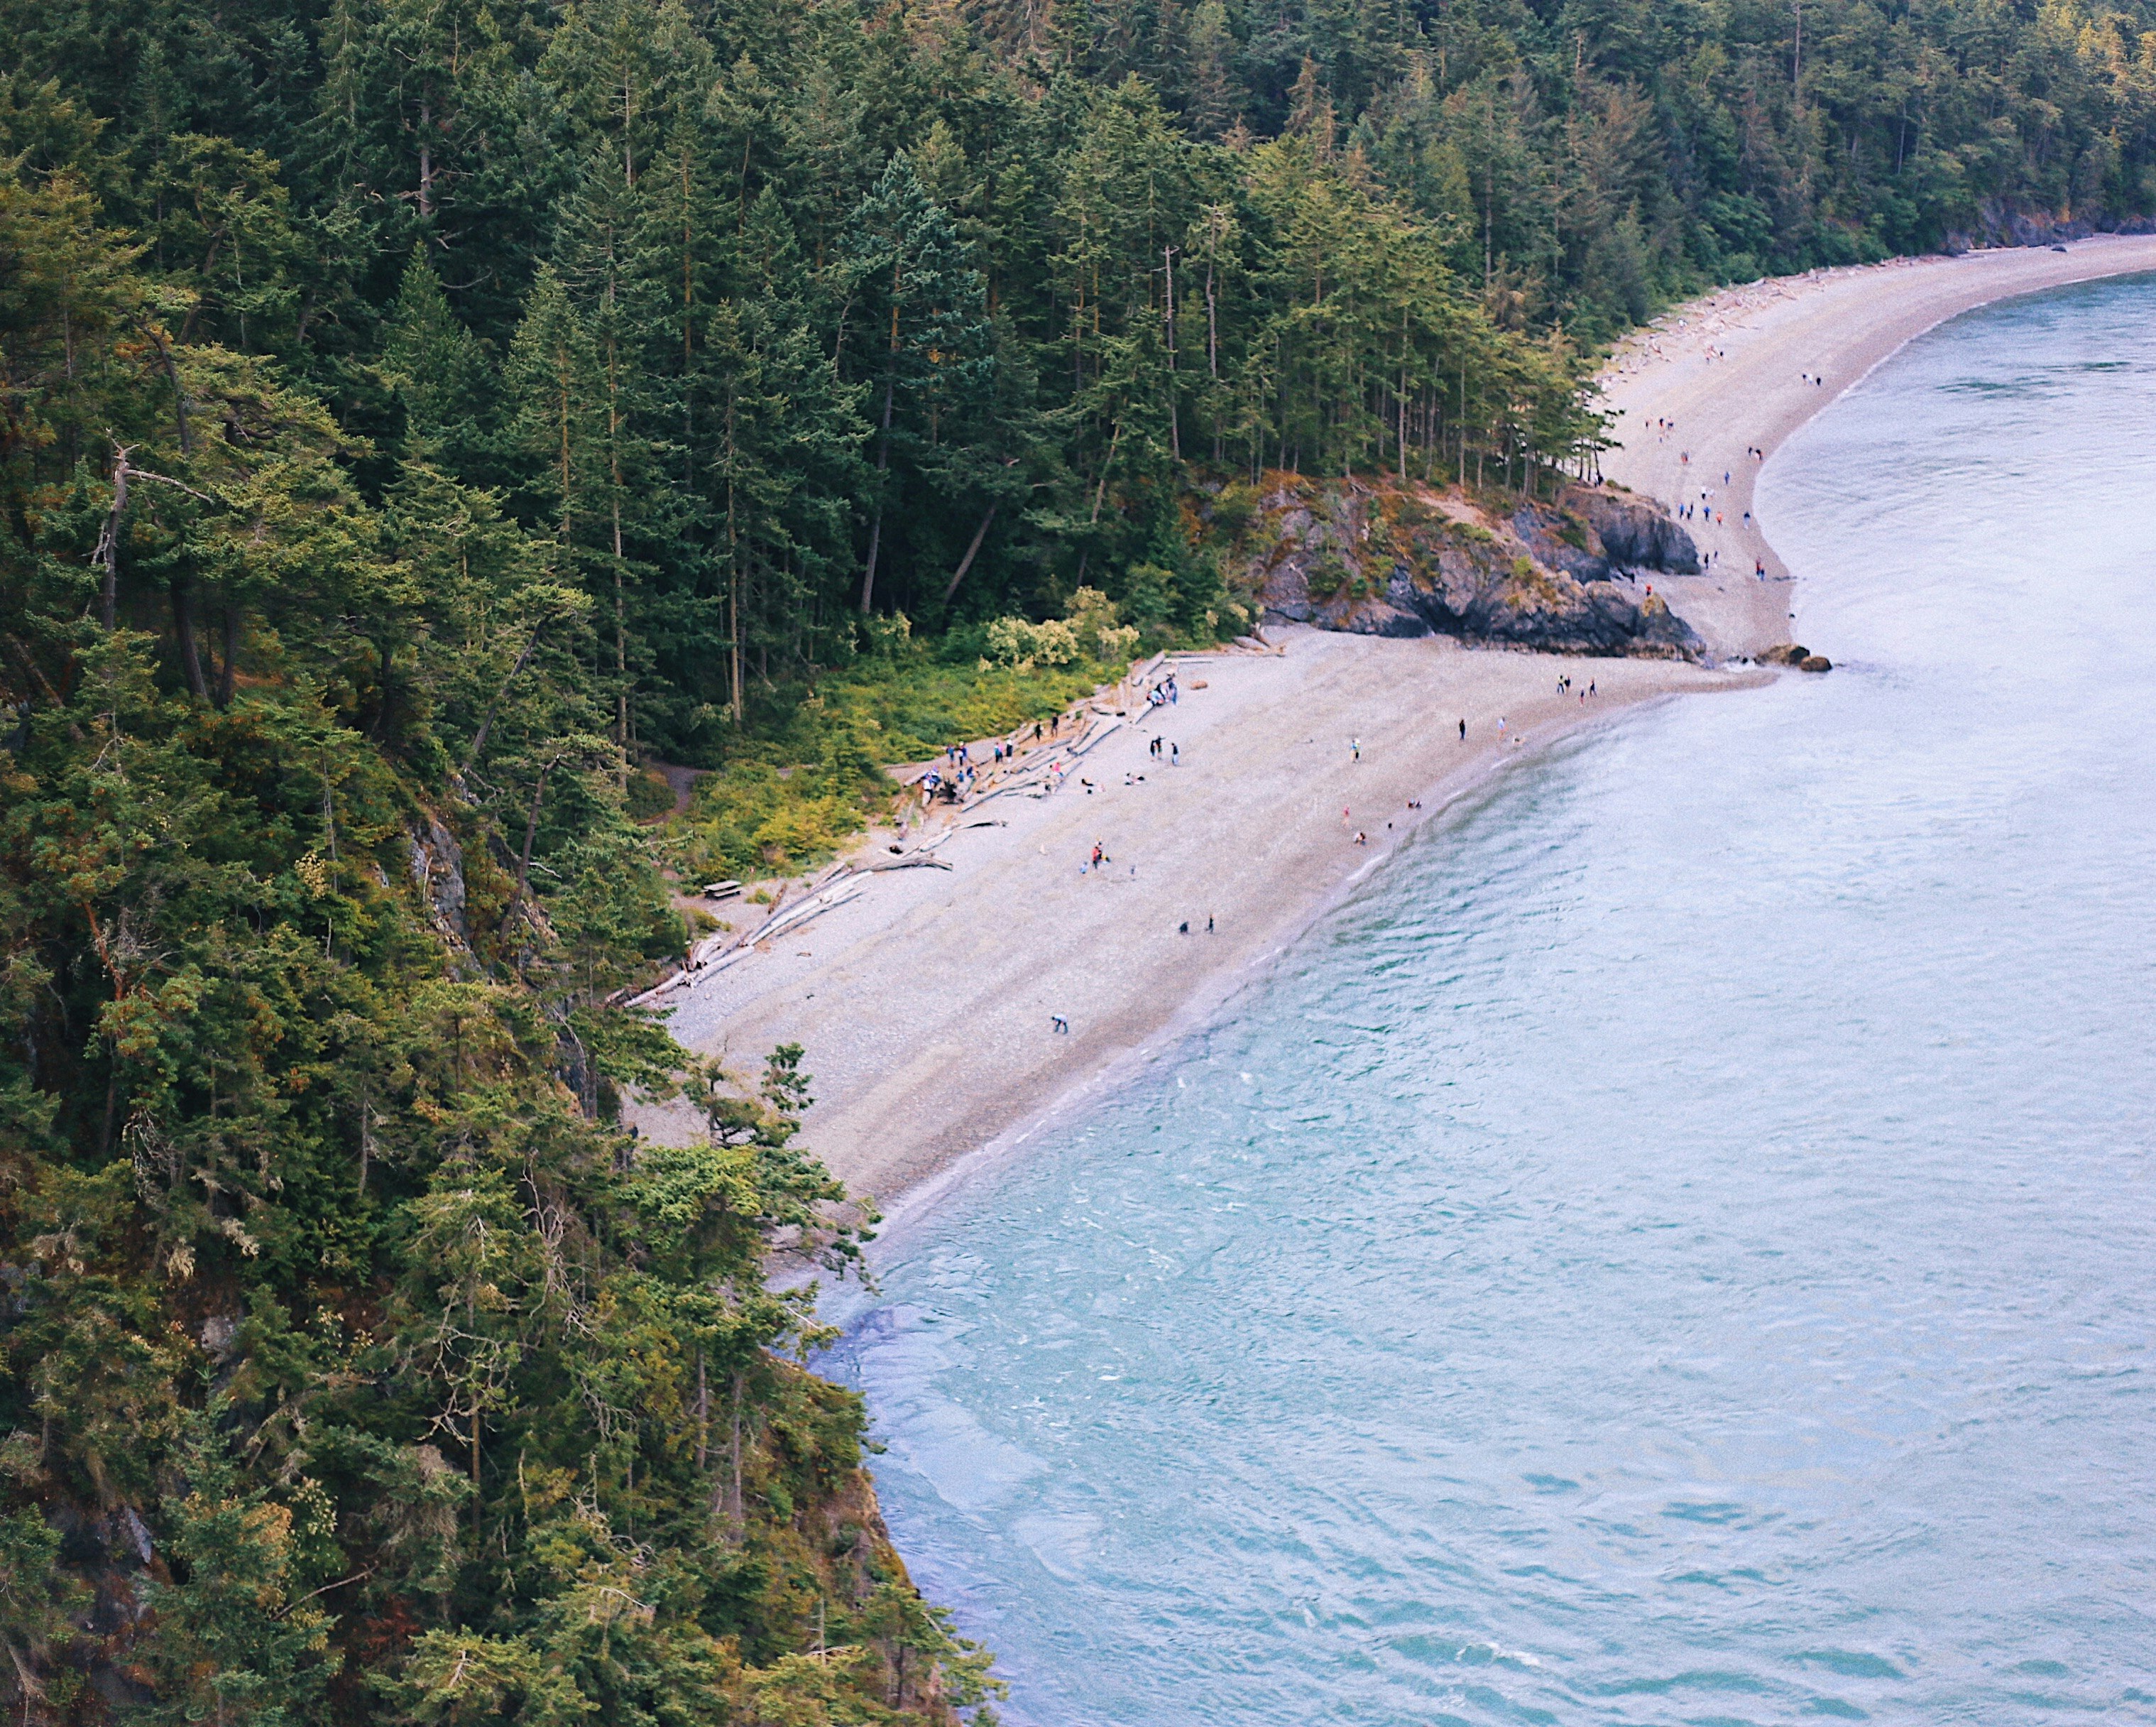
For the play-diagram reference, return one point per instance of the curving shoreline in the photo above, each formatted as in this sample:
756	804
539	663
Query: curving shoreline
1730	371
925	1005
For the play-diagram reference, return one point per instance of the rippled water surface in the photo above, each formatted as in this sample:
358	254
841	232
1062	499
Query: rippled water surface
1677	1246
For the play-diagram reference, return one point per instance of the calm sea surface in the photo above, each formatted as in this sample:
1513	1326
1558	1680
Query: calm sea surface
1678	1247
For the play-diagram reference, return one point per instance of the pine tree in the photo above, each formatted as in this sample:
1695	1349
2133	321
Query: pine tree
237	1644
557	395
441	378
929	339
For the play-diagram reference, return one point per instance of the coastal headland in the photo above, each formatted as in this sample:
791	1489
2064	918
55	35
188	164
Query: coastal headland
931	1003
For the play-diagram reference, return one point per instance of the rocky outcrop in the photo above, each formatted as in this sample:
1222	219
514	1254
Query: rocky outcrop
1634	535
1790	653
437	871
1386	560
2002	222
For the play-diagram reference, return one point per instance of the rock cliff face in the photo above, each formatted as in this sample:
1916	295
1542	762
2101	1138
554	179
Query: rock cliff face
1570	576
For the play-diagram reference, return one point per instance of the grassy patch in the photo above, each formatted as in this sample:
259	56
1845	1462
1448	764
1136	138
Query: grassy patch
807	774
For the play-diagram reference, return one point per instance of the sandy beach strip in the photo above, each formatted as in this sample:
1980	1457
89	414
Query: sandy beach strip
927	1002
1740	370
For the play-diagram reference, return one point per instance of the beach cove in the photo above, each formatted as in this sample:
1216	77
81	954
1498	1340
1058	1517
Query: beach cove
1672	1245
926	1005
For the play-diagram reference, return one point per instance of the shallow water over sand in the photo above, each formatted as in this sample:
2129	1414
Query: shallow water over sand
1679	1246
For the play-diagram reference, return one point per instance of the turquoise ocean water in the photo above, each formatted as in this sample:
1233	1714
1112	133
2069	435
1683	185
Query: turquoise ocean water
1679	1246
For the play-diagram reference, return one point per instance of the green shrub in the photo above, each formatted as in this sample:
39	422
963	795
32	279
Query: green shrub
1017	643
1328	576
648	795
808	774
1234	509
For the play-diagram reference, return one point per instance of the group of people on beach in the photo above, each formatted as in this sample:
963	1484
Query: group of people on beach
955	777
954	780
951	787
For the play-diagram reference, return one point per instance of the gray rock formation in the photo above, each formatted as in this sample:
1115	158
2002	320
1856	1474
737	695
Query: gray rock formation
1571	577
438	869
1634	535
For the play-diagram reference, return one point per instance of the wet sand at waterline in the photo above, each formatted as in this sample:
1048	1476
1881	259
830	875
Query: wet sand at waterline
926	1005
1733	371
1666	1247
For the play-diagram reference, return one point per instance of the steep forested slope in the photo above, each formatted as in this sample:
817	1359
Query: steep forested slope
763	314
415	413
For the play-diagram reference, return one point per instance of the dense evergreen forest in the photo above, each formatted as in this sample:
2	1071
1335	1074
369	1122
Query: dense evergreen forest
418	415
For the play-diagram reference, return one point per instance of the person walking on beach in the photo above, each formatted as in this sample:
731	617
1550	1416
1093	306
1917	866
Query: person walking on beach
1175	755
1463	731
1355	749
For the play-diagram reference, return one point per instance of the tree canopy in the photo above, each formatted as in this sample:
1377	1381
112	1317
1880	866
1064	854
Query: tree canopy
415	416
